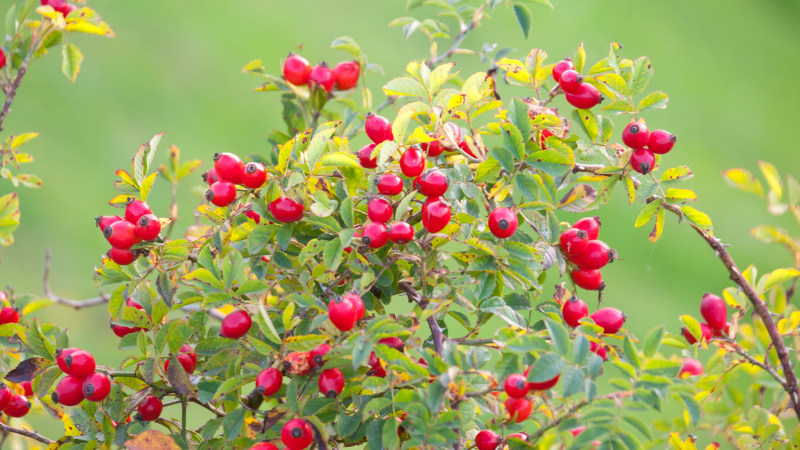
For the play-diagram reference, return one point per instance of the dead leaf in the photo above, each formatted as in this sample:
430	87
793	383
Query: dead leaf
151	440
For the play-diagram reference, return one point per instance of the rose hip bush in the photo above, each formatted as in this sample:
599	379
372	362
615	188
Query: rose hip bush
307	305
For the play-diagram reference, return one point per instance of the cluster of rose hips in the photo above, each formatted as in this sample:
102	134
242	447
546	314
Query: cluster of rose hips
489	440
15	405
139	224
298	71
582	248
715	312
433	184
578	93
60	6
646	144
82	381
229	171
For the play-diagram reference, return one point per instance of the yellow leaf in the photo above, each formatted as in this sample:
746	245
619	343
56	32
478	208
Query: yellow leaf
83	26
69	426
772	176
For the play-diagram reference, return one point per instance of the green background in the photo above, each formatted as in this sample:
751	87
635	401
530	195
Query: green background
175	66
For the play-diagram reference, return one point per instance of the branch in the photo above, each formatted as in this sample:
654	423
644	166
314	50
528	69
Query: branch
752	360
436	332
790	385
31	434
460	38
11	91
77	304
556	421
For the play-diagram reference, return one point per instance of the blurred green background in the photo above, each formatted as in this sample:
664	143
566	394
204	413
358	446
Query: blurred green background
175	66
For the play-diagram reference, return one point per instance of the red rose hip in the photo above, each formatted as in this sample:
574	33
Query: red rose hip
487	440
591	225
229	167
69	391
585	97
643	161
516	386
346	75
322	75
331	383
286	210
573	311
691	367
571	81
389	184
610	319
210	176
599	350
122	235
661	141
9	314
412	162
435	216
269	381
342	313
503	222
297	434
432	183
715	311
519	408
236	324
135	209
104	221
591	280
379	210
296	70
635	135
61	355
148	227
221	193
378	128
5	396
573	241
705	332
374	234
121	257
96	387
79	363
401	233
317	354
561	67
150	409
365	159
355	299
596	256
19	406
254	175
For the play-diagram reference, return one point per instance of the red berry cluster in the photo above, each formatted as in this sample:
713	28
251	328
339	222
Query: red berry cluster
13	405
60	6
82	381
715	312
186	357
139	224
582	248
637	136
229	170
122	330
298	71
579	93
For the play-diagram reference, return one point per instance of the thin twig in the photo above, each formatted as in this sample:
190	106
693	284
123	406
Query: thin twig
436	332
77	304
31	434
460	37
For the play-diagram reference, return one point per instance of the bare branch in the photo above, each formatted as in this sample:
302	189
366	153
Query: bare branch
77	304
31	434
436	332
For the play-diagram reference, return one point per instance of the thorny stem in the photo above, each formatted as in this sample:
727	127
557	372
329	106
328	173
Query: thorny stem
11	90
790	384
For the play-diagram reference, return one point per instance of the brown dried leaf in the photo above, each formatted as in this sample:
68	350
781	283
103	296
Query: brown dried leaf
28	370
151	440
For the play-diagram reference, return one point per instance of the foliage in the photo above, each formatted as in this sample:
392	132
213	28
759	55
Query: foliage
436	293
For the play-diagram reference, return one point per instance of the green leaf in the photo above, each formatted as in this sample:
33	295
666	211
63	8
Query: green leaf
652	342
699	219
405	86
630	352
546	367
587	121
232	423
572	381
640	425
339	159
647	212
347	44
776	277
72	58
560	337
619	106
518	115
487	171
505	158
332	255
524	18
641	72
692	406
653	100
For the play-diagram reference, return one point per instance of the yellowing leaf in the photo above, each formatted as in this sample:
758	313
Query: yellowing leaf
743	180
578	198
773	178
71	64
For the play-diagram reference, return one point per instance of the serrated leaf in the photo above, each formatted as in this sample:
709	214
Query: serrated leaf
647	212
72	59
653	100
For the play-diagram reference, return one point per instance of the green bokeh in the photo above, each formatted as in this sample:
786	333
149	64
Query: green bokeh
174	66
